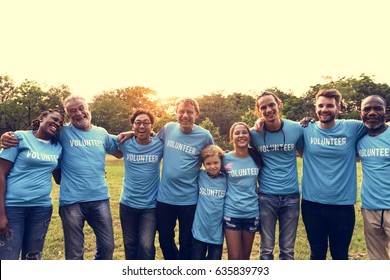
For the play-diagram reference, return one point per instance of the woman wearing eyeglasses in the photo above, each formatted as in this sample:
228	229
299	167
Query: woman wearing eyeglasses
277	144
178	190
142	155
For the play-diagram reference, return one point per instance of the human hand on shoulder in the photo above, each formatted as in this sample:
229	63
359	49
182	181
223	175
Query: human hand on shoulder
306	120
124	136
8	140
259	124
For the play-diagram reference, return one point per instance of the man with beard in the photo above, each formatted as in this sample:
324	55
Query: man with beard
329	178
84	192
374	153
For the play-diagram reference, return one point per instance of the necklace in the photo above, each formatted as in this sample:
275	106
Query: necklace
279	129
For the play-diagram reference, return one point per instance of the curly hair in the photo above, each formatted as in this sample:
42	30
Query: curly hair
37	121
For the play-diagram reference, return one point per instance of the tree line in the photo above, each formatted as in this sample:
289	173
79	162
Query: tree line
20	104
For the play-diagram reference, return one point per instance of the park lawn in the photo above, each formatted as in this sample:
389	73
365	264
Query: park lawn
54	244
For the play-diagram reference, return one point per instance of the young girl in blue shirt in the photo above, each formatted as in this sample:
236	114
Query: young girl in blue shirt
241	211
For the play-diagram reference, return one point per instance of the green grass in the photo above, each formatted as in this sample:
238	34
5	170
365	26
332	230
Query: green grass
54	245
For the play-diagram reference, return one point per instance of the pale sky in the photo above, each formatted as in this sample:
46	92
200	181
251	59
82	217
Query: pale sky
190	48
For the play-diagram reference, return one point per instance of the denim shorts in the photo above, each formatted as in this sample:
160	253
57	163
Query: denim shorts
251	224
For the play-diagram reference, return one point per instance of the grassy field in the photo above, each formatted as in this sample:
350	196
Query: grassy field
54	246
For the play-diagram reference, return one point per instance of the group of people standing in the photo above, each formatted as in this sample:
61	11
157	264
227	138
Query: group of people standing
78	165
236	194
328	148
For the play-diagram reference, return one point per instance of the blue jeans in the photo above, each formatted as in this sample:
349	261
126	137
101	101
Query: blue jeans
139	231
28	227
248	224
167	215
98	216
325	222
282	208
206	251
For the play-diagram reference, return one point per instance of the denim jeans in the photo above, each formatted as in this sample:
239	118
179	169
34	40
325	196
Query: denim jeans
28	227
248	224
167	215
325	222
98	216
206	251
139	231
282	208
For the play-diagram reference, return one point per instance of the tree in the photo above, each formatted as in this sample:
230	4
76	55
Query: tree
294	108
239	104
30	96
24	105
110	112
218	139
56	96
21	104
112	109
224	111
353	91
138	97
7	92
7	88
249	118
216	108
162	120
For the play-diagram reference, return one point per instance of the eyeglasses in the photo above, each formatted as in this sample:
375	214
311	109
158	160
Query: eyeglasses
145	123
189	113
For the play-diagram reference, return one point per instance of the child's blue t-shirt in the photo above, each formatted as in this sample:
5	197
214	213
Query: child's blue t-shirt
29	182
181	163
241	196
83	175
142	173
207	225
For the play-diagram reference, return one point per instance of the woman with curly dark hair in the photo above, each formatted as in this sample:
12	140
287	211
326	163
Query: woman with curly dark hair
25	187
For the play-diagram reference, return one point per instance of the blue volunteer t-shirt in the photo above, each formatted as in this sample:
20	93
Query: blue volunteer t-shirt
374	153
142	173
279	173
207	225
83	164
241	197
29	180
181	163
329	162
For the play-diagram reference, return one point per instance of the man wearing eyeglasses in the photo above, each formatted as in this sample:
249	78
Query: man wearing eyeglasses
178	190
279	198
137	209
